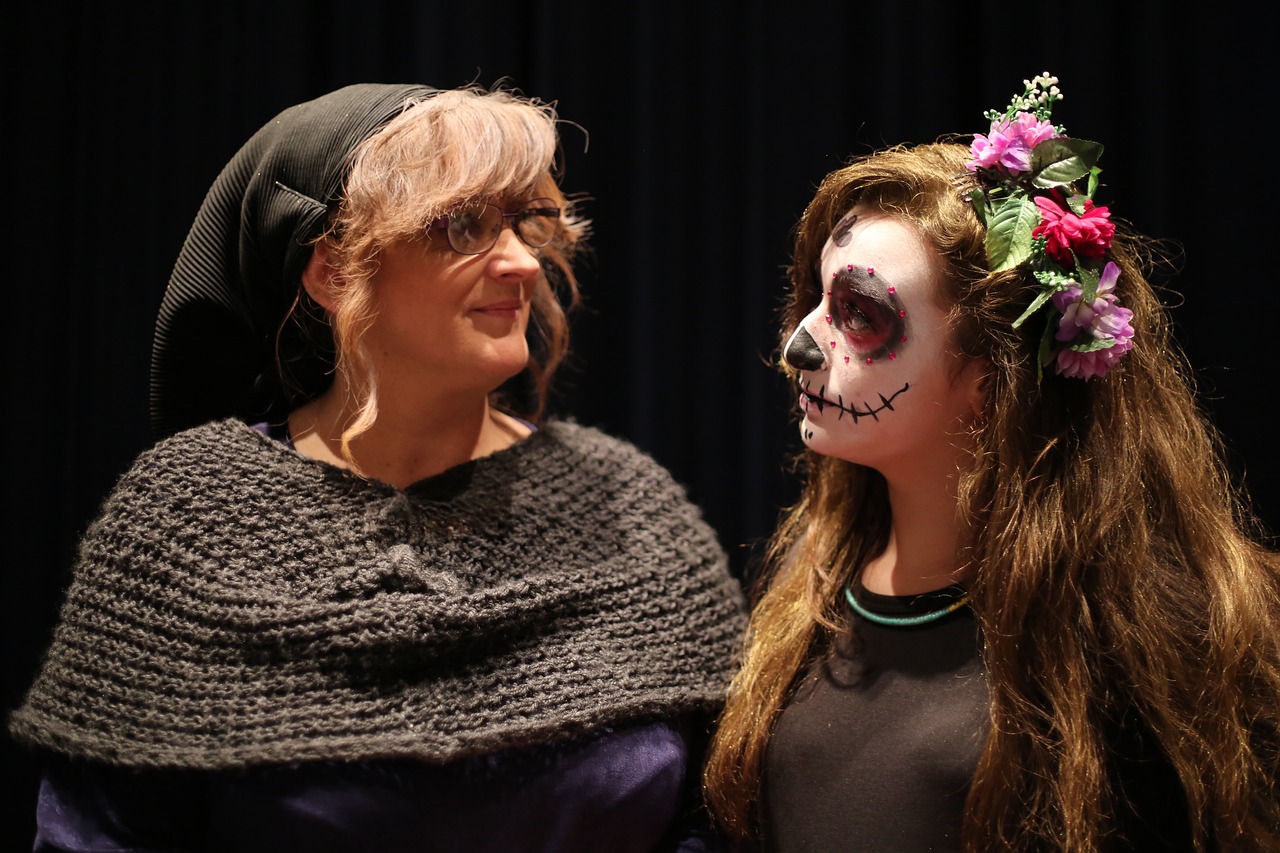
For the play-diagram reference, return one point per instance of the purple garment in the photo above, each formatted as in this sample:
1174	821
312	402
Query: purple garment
617	790
624	789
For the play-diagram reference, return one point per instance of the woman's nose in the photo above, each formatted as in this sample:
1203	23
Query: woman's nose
511	258
802	351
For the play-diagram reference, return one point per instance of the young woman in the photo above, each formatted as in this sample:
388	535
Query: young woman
361	596
1019	605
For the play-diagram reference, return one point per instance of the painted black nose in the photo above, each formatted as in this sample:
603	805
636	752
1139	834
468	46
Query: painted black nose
803	352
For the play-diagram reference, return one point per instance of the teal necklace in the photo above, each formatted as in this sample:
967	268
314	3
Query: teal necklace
894	621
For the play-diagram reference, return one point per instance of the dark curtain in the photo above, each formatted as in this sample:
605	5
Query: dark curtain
700	130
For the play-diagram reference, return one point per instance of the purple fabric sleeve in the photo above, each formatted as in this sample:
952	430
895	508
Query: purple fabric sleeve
625	790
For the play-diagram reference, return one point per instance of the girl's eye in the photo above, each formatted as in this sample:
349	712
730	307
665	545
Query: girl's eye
852	318
867	312
867	323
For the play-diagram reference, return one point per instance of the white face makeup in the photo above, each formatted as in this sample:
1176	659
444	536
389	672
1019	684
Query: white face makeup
874	358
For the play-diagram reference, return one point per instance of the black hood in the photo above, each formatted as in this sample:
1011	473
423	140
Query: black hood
238	273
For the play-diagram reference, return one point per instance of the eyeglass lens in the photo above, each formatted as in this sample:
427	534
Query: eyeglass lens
476	229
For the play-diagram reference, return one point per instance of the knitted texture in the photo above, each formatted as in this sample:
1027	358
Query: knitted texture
236	603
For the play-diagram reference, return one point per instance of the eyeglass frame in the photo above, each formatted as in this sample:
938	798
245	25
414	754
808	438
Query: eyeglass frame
530	208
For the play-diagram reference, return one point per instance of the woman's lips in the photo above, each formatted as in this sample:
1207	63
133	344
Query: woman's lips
871	410
505	308
814	398
808	399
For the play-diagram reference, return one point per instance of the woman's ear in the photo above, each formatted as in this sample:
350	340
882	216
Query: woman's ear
319	277
975	376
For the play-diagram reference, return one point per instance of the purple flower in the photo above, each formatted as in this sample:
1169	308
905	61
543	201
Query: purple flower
1086	365
1009	143
1103	318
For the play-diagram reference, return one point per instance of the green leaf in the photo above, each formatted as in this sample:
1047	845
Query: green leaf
1088	282
980	206
1046	348
1076	203
1009	232
1093	180
1043	297
1060	161
1094	345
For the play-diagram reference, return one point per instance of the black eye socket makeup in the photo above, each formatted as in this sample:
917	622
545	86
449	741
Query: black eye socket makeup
865	308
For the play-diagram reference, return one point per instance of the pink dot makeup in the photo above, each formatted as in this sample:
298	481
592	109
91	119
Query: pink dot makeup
866	310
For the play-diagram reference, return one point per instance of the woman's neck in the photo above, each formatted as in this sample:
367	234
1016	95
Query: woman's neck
923	551
406	443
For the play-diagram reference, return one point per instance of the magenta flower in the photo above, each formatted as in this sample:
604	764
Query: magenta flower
1103	318
1009	143
1088	236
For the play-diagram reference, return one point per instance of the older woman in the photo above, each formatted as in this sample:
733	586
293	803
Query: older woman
361	595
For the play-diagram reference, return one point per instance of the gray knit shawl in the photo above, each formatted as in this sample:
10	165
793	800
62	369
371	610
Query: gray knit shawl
236	603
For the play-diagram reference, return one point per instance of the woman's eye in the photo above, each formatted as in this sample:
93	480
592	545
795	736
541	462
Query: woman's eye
470	225
865	311
852	318
865	322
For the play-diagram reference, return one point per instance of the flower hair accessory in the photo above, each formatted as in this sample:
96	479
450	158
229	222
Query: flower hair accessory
1027	197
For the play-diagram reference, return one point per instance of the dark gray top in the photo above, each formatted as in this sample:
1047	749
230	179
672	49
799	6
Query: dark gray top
876	751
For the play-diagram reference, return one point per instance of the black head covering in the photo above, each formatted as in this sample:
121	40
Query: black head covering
239	270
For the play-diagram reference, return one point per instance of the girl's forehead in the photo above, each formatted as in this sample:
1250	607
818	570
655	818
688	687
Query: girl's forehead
870	238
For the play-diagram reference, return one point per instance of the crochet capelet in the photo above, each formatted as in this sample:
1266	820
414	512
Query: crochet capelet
236	603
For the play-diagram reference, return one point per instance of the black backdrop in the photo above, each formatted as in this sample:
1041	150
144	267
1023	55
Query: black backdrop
709	124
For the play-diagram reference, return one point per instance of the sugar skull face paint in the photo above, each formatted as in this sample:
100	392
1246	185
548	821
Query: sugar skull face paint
875	366
866	310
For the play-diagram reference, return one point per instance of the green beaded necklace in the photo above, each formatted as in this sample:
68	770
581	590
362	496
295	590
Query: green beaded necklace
895	621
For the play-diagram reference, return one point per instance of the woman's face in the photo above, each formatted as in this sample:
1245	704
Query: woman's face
451	322
880	384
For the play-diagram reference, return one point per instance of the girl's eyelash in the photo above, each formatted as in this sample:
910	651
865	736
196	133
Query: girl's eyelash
850	307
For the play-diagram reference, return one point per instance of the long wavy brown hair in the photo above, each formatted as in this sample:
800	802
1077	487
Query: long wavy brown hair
1115	571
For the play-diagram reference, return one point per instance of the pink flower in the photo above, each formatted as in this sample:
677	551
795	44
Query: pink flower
1103	318
1088	236
1009	143
1086	365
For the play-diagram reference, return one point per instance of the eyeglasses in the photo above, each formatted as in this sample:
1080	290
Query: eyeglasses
475	230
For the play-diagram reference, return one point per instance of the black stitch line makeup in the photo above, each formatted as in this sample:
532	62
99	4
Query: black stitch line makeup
820	402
